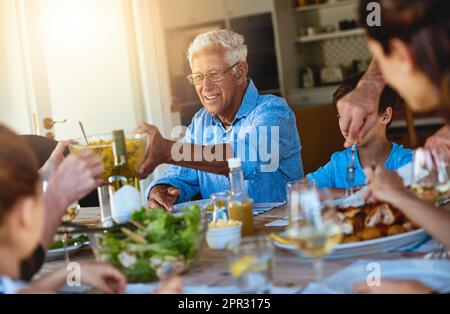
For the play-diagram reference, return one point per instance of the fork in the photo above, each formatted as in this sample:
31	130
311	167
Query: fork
351	171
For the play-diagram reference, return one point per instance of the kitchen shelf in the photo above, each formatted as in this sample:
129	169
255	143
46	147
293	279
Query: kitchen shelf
312	7
418	122
326	36
318	95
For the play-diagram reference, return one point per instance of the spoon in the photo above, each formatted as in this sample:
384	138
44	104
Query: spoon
84	133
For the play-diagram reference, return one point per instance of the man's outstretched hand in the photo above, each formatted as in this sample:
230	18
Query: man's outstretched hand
158	152
358	109
163	196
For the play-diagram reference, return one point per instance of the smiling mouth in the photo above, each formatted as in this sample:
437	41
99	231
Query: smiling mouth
211	98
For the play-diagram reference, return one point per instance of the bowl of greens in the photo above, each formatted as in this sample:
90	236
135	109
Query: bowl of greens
62	243
154	243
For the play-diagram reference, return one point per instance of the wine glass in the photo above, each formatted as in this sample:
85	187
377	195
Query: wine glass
443	175
313	226
425	176
442	166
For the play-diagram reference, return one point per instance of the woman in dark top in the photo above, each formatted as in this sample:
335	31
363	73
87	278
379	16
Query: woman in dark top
412	50
60	170
22	221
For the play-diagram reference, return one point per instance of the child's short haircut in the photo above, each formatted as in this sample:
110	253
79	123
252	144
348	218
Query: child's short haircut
388	97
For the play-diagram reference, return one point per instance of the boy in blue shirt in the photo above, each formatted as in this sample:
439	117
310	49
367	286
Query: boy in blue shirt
375	148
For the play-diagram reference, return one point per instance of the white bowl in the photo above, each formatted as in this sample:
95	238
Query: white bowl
221	238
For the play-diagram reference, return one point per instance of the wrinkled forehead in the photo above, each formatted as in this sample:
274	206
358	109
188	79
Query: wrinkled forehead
208	59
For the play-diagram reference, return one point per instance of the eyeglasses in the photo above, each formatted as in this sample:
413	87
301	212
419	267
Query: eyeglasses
212	76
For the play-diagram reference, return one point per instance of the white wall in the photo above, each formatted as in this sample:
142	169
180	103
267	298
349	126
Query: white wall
98	61
88	65
14	110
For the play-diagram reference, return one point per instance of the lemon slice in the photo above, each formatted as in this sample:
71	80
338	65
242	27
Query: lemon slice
241	265
210	207
280	239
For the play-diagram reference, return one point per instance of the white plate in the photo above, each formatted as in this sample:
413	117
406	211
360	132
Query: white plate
433	273
59	253
258	208
179	207
383	244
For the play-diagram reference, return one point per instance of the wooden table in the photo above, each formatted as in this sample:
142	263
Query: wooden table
211	268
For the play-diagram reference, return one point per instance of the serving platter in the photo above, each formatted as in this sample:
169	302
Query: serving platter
59	253
383	244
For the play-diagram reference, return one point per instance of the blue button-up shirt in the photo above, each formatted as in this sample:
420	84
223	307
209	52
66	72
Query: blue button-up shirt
263	135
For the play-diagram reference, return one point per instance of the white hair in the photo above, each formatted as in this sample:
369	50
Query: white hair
233	43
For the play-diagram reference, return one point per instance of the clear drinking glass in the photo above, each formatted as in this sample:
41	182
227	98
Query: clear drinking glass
443	174
442	165
251	264
313	226
425	176
220	202
105	206
296	186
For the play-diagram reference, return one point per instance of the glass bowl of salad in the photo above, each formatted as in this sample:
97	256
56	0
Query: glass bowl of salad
136	146
154	244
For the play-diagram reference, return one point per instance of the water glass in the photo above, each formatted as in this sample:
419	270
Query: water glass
220	202
251	264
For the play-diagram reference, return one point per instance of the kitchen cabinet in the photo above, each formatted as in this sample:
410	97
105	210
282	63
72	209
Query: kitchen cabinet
184	13
204	11
323	39
320	135
262	59
239	8
181	13
311	96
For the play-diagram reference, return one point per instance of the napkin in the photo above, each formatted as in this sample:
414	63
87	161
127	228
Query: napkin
282	222
203	289
260	208
433	273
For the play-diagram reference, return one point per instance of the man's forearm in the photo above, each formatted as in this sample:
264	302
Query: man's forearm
373	77
208	158
217	167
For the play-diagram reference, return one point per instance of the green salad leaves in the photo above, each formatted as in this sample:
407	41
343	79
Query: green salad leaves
161	243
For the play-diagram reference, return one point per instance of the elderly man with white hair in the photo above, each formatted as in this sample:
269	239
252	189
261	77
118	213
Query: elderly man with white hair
235	121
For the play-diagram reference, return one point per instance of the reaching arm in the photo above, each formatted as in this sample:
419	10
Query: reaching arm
434	220
73	179
101	276
183	154
359	108
388	186
207	158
